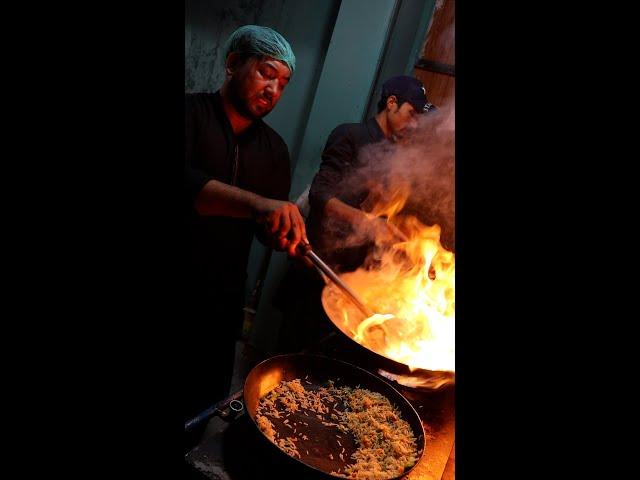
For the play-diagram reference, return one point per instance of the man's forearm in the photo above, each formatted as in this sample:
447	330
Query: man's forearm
281	220
338	209
378	229
220	199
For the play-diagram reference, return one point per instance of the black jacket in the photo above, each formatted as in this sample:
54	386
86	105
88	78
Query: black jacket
217	248
337	177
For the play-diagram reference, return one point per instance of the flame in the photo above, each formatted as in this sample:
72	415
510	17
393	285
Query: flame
393	205
414	283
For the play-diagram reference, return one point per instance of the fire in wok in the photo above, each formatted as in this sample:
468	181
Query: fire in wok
414	300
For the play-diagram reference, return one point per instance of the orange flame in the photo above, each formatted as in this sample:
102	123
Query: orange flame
415	284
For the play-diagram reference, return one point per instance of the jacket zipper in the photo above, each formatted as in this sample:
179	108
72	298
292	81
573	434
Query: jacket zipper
234	177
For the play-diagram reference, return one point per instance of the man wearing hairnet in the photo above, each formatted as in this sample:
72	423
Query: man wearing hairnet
237	180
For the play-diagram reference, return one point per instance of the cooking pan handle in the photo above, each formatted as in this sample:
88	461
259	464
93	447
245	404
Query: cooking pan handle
306	250
224	409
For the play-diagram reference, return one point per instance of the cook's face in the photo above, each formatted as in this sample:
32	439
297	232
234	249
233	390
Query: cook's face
403	120
259	84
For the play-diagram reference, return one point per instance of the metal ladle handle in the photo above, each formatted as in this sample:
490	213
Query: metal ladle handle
324	268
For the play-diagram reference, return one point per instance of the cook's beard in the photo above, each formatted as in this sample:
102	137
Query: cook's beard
240	104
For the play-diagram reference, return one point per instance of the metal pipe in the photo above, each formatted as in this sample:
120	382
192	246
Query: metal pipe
223	408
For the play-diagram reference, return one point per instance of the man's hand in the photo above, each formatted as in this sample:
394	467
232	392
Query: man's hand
374	228
382	231
282	221
283	224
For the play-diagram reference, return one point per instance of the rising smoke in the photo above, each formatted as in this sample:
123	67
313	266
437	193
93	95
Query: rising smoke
417	175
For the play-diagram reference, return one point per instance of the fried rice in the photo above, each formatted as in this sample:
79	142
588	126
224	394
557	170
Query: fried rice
386	446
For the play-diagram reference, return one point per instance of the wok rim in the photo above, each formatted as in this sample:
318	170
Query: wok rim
403	367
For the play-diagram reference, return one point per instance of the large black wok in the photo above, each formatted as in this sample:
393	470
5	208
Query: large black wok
315	372
432	379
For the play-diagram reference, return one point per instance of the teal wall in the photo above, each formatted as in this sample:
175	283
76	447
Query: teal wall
404	45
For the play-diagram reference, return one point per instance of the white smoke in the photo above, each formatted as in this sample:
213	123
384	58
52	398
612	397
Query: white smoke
422	169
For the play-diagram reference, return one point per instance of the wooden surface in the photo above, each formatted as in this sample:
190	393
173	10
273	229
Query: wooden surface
450	469
441	89
440	42
440	47
438	412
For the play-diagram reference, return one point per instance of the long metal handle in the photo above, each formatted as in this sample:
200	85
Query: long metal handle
222	409
353	296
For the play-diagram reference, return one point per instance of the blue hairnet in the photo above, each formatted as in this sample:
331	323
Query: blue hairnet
257	40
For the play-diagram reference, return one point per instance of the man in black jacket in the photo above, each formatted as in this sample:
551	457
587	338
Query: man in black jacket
336	197
336	194
237	179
